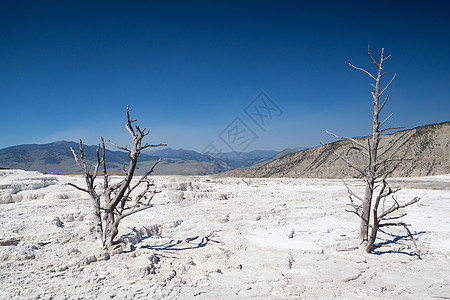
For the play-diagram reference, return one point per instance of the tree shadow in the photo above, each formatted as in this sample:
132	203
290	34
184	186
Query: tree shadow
139	238
400	240
186	244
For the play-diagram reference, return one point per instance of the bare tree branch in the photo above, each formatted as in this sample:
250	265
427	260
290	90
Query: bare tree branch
119	147
151	146
135	211
386	58
391	159
382	123
77	187
370	54
99	162
394	217
395	75
349	139
390	128
381	60
356	210
396	206
142	180
360	69
129	126
351	192
76	159
346	160
384	102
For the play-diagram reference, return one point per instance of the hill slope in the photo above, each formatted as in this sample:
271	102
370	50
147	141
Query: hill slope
428	146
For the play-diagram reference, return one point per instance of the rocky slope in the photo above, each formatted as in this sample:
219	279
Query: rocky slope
427	146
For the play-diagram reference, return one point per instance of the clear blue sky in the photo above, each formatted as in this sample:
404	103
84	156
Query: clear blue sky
189	68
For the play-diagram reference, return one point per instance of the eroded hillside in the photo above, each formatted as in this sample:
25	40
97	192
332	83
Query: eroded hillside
426	146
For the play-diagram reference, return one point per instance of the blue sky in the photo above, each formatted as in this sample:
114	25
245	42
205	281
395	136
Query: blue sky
189	68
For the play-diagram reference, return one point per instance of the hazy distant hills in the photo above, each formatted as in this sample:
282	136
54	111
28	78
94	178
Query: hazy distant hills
57	158
178	154
232	159
428	146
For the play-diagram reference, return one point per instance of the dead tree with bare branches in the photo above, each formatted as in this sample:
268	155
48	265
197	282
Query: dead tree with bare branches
116	201
377	190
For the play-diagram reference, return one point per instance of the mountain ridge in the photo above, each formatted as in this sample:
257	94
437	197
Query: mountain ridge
56	157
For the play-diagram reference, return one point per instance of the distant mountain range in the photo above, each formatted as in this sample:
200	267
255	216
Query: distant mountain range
57	158
427	146
232	159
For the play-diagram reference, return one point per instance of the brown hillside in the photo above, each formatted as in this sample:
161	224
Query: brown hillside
427	146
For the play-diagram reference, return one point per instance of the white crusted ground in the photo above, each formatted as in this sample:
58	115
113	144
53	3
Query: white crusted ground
219	238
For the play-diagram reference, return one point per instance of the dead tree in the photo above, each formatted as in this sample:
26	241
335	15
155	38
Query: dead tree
116	201
376	171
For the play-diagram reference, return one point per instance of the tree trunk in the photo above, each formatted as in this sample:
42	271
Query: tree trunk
372	167
98	218
365	216
110	231
374	231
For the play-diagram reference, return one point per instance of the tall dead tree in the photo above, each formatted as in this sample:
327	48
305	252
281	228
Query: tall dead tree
116	201
378	168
